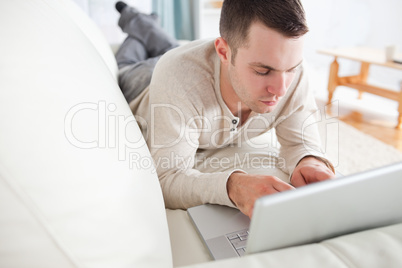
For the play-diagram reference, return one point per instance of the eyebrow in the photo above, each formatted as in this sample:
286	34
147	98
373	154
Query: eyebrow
260	65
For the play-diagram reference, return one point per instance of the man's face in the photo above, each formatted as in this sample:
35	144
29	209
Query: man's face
263	71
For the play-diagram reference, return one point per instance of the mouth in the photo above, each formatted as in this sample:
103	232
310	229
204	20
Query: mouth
270	103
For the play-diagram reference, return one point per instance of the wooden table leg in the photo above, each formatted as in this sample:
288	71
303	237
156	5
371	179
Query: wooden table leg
364	71
399	125
333	79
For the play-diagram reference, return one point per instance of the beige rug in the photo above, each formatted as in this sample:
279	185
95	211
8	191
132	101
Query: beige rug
352	151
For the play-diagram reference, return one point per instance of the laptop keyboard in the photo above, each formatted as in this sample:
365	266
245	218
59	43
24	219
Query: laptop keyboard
239	241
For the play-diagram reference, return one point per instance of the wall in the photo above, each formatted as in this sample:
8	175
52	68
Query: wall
105	15
346	23
333	23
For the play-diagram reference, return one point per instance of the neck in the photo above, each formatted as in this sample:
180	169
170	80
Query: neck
230	97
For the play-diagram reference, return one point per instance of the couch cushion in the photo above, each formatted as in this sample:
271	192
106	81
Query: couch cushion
380	247
77	185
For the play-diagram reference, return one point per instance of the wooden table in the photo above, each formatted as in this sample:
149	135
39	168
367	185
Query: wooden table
365	56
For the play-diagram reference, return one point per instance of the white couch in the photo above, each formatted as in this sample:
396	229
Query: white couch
77	185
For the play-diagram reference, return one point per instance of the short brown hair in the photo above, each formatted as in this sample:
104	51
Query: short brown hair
285	16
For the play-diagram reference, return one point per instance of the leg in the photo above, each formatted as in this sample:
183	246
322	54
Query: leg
130	52
139	53
135	68
364	71
333	79
146	30
134	78
399	125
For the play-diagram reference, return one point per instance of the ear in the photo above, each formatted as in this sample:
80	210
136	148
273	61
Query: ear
222	49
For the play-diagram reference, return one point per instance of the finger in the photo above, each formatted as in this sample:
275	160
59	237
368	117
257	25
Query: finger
324	175
298	179
247	209
280	186
250	213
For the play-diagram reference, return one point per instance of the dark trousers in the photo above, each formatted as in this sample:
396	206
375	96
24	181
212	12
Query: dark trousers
145	44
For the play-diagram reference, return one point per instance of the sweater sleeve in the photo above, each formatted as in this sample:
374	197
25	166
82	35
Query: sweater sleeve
173	142
298	133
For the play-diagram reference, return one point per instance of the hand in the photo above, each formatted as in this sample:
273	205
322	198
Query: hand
245	189
310	170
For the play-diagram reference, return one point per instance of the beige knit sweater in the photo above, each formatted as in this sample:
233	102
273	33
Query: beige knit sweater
182	112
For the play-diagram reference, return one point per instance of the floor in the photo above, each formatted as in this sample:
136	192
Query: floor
372	115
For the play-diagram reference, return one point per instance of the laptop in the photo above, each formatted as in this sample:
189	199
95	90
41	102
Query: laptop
309	214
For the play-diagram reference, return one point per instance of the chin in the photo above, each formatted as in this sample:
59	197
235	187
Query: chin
268	109
264	110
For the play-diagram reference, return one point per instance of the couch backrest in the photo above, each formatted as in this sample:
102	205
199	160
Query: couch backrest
90	30
77	184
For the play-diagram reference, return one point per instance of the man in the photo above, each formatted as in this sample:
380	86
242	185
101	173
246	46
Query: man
213	94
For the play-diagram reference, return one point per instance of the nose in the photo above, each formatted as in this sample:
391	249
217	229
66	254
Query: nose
278	84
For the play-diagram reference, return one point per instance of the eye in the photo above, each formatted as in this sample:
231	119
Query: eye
262	73
293	70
